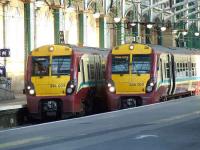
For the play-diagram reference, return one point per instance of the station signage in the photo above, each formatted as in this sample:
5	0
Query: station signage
5	52
2	71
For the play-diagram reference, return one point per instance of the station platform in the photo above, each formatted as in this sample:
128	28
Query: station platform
168	125
13	112
18	102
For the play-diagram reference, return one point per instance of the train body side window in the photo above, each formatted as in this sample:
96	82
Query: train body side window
88	69
92	73
79	67
167	71
193	69
83	73
161	70
187	70
177	69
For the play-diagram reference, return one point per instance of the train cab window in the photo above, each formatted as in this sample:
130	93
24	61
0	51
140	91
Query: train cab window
60	65
141	64
40	66
193	69
120	64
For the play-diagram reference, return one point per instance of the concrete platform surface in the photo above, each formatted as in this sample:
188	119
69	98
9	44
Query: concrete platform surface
171	125
18	102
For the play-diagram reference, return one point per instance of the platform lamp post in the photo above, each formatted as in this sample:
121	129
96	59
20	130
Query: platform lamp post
184	34
96	14
117	20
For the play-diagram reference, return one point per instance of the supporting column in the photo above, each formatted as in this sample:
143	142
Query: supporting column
27	29
81	29
122	33
85	24
101	32
139	39
123	7
118	34
4	31
56	26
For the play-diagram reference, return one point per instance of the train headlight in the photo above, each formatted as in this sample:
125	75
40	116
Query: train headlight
51	48
149	89
112	89
31	91
71	85
69	90
111	86
150	85
131	47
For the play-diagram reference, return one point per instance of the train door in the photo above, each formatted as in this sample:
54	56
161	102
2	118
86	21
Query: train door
170	70
81	74
173	74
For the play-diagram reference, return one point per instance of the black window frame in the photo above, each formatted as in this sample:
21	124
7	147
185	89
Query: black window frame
40	68
142	71
61	74
121	72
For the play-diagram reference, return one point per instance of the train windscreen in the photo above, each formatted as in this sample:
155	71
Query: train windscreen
141	64
40	66
120	64
60	65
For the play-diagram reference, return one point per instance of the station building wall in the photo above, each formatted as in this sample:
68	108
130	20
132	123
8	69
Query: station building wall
69	24
42	33
14	40
91	38
44	26
1	31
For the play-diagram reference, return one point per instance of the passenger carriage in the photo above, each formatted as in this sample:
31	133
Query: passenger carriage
139	74
62	80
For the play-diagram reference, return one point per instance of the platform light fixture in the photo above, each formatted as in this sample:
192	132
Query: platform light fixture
70	8
96	15
117	19
39	3
174	31
96	12
184	33
163	28
149	26
196	33
133	24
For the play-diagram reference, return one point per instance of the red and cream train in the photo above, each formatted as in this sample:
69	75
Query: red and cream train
139	74
62	80
65	80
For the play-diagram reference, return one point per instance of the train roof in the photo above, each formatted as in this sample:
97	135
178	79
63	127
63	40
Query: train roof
179	50
87	49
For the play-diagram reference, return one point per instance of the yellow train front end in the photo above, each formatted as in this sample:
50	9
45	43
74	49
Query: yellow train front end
129	76
47	75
